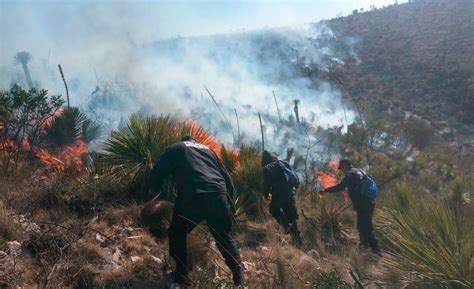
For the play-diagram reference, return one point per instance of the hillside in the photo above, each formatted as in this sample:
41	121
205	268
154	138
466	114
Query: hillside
75	209
417	57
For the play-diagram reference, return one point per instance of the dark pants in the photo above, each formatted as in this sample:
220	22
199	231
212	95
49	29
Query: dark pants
365	213
284	212
215	209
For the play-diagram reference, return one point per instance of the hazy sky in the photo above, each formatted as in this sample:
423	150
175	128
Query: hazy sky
52	25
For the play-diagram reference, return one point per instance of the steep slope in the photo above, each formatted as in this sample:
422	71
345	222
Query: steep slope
418	57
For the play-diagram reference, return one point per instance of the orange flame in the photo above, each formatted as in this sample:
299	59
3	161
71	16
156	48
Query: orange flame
326	179
48	121
68	157
7	149
203	137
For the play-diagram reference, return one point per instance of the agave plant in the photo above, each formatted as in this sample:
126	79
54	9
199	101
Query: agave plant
330	220
134	148
248	183
429	239
71	125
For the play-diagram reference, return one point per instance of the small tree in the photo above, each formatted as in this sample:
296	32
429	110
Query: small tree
418	132
23	115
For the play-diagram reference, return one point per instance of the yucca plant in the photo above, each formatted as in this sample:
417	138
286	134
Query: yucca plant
132	150
135	147
71	125
230	159
248	183
23	58
429	239
329	218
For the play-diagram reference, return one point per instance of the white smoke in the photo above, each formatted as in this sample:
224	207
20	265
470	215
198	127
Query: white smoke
168	77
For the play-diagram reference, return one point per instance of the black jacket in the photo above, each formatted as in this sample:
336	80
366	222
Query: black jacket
353	182
196	170
274	180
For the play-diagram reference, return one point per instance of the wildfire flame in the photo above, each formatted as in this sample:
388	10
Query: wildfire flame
326	179
67	157
203	137
7	149
48	121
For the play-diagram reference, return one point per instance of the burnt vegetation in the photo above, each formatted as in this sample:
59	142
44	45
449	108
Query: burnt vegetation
73	216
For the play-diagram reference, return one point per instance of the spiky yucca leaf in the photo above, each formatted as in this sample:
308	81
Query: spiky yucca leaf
70	125
200	134
429	239
248	183
229	159
91	130
134	148
330	219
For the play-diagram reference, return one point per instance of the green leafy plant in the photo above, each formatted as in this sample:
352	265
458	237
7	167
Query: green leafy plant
248	182
70	126
429	238
330	280
23	115
134	148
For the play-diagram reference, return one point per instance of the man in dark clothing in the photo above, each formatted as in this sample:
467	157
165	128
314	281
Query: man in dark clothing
363	205
204	187
282	205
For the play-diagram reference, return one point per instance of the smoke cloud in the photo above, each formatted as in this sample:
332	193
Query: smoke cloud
120	71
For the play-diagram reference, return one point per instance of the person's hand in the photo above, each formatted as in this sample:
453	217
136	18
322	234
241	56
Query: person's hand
267	198
321	194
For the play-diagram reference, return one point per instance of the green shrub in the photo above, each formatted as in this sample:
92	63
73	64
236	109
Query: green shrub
134	148
330	280
248	183
23	115
70	126
429	238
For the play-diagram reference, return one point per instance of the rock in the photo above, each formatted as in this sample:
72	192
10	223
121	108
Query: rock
314	254
14	248
249	266
100	238
27	226
135	259
117	255
157	261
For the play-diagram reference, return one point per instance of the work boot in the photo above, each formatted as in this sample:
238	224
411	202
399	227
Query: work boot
238	276
295	234
180	278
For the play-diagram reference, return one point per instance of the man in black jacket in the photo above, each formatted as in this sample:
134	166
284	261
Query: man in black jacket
363	205
204	187
282	205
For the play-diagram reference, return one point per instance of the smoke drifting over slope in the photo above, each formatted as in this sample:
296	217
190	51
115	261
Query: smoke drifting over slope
116	77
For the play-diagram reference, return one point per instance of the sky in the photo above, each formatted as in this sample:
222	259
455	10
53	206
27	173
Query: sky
52	24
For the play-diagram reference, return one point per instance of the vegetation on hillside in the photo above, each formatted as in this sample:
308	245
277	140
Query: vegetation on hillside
73	218
413	58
